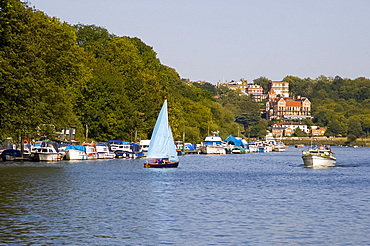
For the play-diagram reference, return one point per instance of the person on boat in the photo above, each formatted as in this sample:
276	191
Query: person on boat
321	147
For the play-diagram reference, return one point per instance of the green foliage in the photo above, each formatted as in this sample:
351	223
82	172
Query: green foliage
207	87
258	130
351	138
335	102
128	88
264	82
42	71
299	133
354	126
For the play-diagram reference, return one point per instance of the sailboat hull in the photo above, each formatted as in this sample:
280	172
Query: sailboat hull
161	165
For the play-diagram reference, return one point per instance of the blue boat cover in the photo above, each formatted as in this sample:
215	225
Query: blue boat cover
190	147
101	144
237	142
38	144
117	142
76	147
136	147
162	144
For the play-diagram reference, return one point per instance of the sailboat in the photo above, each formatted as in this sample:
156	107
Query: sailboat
162	147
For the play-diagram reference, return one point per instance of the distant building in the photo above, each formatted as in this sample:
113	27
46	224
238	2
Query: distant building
255	92
318	131
235	85
288	128
280	87
287	107
68	134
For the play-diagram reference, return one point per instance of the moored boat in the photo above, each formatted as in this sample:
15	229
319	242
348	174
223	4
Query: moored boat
103	151
47	153
238	150
124	149
10	154
213	145
144	146
321	157
75	152
252	147
279	147
235	145
91	152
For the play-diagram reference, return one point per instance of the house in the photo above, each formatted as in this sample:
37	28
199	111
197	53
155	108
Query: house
255	92
318	131
280	88
289	132
295	125
235	85
287	107
277	130
288	128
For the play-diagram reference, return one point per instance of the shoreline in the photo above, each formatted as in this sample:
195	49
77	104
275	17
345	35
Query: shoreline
325	141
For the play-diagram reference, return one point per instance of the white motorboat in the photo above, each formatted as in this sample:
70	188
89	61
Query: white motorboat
75	152
252	147
318	158
124	149
144	146
47	153
213	145
91	152
279	147
104	152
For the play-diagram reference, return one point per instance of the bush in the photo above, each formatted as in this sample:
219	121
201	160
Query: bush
351	138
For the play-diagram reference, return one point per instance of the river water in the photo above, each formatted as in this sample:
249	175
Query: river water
251	199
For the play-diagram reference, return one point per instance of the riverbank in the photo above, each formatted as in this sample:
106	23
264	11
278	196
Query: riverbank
361	142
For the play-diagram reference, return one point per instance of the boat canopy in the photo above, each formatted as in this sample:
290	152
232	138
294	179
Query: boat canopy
101	144
237	142
76	147
189	146
135	147
38	144
117	142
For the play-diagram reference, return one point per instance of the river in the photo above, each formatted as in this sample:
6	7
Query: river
251	199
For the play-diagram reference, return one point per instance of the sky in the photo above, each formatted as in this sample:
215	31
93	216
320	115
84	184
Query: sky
214	40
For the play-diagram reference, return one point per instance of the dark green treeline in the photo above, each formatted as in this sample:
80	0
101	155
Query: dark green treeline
54	75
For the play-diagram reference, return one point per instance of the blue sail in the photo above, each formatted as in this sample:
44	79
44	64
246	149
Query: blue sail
162	144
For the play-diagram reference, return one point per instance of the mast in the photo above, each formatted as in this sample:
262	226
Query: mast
168	137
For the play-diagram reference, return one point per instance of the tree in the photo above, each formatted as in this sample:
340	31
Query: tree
354	126
299	133
365	123
300	87
42	69
248	120
351	138
308	122
263	82
259	129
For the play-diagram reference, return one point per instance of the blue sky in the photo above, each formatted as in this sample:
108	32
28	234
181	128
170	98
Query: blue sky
216	40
